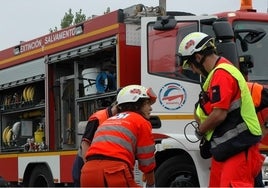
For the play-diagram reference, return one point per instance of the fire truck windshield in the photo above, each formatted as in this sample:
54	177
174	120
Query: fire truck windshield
257	50
162	51
251	39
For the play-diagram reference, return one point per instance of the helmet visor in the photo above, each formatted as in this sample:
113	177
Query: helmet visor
152	95
186	65
186	62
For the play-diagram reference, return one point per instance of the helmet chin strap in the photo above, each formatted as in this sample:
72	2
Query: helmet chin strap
200	66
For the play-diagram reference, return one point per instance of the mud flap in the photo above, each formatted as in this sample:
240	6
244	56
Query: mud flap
116	176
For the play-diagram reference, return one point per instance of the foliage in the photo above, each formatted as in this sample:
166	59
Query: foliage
79	17
69	19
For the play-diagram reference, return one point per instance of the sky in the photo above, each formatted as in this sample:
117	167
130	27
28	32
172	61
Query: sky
24	20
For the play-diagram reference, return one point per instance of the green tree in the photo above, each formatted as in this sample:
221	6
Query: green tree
79	17
69	19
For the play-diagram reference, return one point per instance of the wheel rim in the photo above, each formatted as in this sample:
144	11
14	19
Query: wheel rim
183	179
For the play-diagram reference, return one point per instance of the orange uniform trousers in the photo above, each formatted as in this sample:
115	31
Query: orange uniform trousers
239	170
107	173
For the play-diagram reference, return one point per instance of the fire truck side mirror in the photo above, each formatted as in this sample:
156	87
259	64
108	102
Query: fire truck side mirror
155	121
254	36
165	23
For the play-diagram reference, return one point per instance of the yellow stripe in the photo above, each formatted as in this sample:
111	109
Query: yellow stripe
176	117
61	43
73	152
31	154
8	156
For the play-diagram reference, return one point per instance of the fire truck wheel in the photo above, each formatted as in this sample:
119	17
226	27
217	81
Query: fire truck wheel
176	172
41	177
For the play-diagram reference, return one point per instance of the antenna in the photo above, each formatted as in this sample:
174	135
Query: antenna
163	5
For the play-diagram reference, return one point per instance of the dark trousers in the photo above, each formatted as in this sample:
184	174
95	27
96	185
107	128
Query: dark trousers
76	172
258	180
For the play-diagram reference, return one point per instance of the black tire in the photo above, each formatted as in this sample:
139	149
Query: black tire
41	177
176	172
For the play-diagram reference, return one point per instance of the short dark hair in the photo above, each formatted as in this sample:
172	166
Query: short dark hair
132	106
208	51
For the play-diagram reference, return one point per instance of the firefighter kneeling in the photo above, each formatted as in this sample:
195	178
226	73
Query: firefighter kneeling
120	140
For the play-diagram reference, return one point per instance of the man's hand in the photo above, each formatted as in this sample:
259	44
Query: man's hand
84	147
198	134
149	179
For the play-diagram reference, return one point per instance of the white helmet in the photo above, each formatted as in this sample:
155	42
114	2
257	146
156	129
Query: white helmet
195	42
132	93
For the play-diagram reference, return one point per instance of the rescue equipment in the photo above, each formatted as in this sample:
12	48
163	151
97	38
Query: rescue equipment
105	82
89	80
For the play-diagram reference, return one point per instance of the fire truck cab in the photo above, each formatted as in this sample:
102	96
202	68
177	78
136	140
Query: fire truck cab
50	85
178	89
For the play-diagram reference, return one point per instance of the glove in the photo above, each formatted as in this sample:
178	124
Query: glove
198	135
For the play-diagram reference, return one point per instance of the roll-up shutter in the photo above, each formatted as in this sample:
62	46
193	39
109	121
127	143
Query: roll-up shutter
82	51
25	73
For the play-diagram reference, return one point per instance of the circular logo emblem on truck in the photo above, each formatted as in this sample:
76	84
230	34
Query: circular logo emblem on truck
172	96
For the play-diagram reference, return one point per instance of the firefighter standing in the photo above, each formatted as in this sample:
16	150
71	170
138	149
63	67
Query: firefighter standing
121	140
259	95
226	114
260	99
93	122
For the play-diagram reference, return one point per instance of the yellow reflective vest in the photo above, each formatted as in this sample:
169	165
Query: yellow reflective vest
247	109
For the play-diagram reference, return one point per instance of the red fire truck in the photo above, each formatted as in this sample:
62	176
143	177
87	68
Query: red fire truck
50	85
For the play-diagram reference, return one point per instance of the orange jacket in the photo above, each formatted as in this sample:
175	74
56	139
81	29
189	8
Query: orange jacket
259	95
101	115
260	99
94	121
255	90
126	136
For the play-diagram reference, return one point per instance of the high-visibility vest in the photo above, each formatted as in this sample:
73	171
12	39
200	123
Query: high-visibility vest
247	107
101	115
